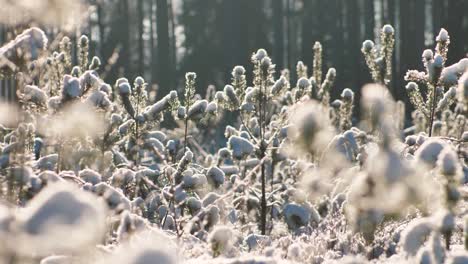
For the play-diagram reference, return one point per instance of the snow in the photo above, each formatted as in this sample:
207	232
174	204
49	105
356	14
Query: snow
429	151
450	74
415	234
388	29
368	45
240	147
46	221
197	110
35	94
215	176
71	87
91	176
296	215
221	239
303	83
448	162
443	36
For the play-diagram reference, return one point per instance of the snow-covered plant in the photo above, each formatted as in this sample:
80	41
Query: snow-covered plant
379	60
440	81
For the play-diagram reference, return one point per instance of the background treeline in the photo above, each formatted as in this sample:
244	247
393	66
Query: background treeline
163	39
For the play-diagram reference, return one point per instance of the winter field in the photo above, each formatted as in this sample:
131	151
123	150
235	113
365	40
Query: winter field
96	172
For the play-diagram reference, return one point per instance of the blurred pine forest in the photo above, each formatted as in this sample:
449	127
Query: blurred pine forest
163	39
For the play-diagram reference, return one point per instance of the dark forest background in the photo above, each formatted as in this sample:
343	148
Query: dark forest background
163	39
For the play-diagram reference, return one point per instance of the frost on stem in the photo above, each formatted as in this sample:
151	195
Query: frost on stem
416	98
167	103
239	82
327	85
443	40
317	62
301	70
231	99
197	110
279	86
95	64
83	52
346	109
189	88
25	48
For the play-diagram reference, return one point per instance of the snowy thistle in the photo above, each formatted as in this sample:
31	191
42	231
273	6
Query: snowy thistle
443	41
239	82
327	84
83	52
379	62
301	70
66	49
346	109
95	64
317	62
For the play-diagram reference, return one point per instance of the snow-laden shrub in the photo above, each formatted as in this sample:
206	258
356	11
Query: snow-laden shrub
240	147
146	248
415	235
44	225
429	151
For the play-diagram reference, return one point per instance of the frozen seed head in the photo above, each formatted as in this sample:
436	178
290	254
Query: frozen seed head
124	88
139	81
279	85
411	87
303	83
347	95
190	76
428	55
266	63
331	74
443	36
238	71
95	63
84	41
259	55
367	45
388	29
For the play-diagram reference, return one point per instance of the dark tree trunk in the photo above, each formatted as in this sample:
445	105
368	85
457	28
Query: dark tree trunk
163	48
141	58
278	45
458	35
